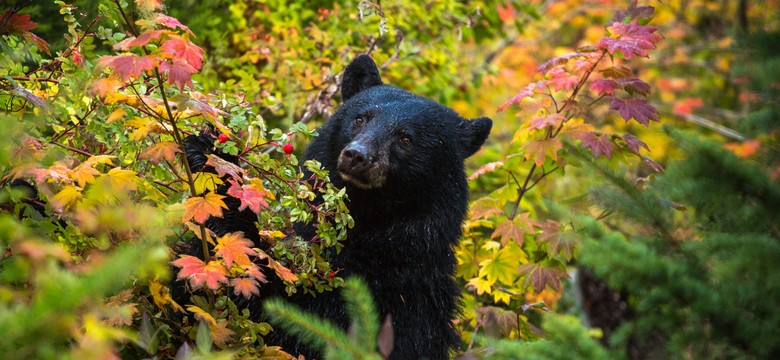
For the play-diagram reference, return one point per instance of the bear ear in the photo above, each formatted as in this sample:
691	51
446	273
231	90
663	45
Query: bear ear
362	73
473	134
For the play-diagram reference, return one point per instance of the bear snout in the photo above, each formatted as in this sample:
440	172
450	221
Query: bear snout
359	167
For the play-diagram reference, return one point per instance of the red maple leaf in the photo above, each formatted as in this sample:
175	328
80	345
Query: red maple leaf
604	86
484	169
130	65
245	286
540	150
179	73
634	143
250	195
17	24
182	49
630	39
171	23
527	91
635	86
199	273
561	79
234	247
599	144
542	276
637	109
141	40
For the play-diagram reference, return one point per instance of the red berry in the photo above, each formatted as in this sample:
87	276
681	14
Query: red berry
288	148
222	138
332	275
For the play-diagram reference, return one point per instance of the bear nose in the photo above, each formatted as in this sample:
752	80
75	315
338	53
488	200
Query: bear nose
355	157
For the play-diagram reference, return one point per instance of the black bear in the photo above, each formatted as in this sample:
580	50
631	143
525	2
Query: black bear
400	157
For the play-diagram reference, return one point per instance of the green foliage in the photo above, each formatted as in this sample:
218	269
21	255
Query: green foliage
359	343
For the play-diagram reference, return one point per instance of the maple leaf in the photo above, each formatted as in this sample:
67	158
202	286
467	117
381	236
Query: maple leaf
635	86
526	92
200	208
225	167
119	313
245	287
164	150
630	39
551	120
496	321
599	144
559	241
141	40
283	272
115	115
514	229
487	168
199	273
84	174
179	73
120	179
506	12
254	271
604	86
129	66
561	79
251	195
234	247
182	49
220	333
206	182
171	23
500	268
637	109
540	150
542	276
66	198
481	285
104	86
634	143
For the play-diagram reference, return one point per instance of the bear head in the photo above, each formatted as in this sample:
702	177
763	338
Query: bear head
384	136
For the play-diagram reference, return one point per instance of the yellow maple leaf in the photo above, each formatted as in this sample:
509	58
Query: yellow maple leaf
201	207
84	174
66	198
120	179
206	181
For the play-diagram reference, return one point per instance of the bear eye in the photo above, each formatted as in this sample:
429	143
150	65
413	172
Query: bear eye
359	121
406	140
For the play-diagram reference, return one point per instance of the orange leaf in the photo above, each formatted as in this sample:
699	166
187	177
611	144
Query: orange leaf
540	150
245	286
84	174
200	208
514	229
220	333
234	247
199	273
282	271
165	150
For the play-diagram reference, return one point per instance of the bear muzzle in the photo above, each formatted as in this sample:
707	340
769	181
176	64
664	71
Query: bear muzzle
358	166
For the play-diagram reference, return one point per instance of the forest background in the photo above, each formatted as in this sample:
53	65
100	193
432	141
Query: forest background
625	206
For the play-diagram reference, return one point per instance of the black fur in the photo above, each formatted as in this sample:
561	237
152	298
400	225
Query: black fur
408	196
